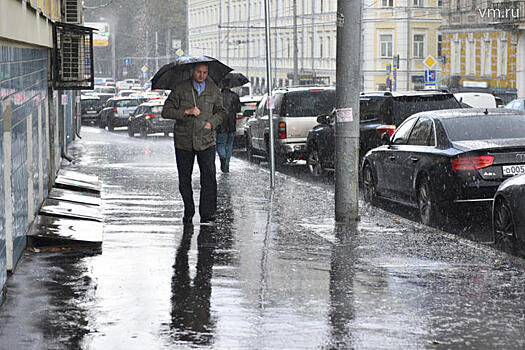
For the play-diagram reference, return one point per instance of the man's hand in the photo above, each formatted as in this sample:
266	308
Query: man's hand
193	111
207	126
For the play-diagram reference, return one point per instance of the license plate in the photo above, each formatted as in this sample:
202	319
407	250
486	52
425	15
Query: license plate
511	170
91	112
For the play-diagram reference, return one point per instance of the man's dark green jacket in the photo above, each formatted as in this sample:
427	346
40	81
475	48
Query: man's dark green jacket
190	133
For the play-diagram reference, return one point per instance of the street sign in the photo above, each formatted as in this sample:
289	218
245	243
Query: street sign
430	86
144	69
179	52
388	69
429	61
127	61
395	62
124	71
430	76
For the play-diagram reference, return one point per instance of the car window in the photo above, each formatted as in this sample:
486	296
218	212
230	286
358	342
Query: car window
373	108
308	103
260	109
485	127
90	103
423	133
401	135
127	103
405	106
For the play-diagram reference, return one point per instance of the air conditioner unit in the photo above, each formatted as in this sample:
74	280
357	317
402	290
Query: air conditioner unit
72	11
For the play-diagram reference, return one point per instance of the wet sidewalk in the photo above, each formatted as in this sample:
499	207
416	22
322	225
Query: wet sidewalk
274	272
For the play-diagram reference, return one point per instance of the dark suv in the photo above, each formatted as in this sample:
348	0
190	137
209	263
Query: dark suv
380	112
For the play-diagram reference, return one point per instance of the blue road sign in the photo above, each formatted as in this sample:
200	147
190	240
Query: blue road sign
430	76
127	61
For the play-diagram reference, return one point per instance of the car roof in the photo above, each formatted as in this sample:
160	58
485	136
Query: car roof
304	88
124	98
403	93
250	98
157	102
470	112
89	97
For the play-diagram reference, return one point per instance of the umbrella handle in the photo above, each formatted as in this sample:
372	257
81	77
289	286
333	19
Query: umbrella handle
194	101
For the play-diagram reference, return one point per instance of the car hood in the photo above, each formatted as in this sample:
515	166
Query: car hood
489	144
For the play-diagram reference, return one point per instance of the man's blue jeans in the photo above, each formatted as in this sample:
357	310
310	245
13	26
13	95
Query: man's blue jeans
225	145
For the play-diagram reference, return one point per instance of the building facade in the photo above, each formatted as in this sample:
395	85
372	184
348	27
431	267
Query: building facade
29	149
233	31
484	46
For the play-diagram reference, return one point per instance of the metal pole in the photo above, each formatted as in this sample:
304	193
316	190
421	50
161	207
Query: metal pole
313	42
248	42
408	46
295	46
267	14
113	54
219	40
348	72
156	51
168	46
228	34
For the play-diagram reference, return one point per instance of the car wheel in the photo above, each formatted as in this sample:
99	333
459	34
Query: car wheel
131	132
428	209
369	185
110	125
503	226
314	162
143	131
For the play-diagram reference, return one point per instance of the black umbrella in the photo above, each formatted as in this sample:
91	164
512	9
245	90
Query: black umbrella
236	79
175	72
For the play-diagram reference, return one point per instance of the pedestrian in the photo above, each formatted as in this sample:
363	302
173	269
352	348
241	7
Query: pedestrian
196	105
226	131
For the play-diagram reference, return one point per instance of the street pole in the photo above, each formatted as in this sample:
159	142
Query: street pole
269	91
348	72
248	42
156	51
228	34
168	46
295	46
113	54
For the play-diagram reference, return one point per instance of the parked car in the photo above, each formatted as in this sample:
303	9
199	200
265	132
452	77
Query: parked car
508	213
476	99
248	107
517	104
380	112
126	93
446	159
90	106
117	111
105	92
295	114
147	119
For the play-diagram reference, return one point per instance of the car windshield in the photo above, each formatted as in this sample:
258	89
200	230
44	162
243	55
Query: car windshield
108	90
90	103
309	103
405	106
126	103
484	127
374	108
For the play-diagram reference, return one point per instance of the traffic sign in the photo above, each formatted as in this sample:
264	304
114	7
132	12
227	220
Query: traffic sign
144	69
179	52
430	76
395	62
429	61
127	61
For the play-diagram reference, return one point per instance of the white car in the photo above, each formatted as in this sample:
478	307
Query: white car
476	99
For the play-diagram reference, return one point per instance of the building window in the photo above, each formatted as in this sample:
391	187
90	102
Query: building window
440	45
387	3
440	3
320	47
386	45
419	44
417	3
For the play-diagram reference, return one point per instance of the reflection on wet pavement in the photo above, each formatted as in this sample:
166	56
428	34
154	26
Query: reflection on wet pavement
274	272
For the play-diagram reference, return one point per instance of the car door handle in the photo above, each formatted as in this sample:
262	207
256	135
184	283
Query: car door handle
414	159
392	157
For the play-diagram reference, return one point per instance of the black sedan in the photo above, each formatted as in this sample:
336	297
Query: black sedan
446	159
508	214
147	119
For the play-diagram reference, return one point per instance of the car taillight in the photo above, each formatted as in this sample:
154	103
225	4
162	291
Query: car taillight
389	129
471	163
149	116
239	116
281	131
115	110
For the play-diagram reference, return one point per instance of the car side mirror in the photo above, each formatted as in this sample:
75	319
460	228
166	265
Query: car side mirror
385	139
323	119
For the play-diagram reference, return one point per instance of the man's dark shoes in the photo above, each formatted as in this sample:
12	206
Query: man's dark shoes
187	220
223	165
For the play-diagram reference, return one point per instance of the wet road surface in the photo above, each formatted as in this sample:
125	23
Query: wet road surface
274	272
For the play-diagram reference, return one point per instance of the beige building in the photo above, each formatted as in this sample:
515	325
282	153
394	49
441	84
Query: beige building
484	46
233	31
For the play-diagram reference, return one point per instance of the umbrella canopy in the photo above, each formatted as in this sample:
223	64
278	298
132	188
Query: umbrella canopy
180	70
236	79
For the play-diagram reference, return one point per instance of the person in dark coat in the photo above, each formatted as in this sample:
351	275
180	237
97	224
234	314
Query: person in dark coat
226	131
196	105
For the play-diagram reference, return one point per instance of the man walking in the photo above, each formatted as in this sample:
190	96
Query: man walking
226	131
197	107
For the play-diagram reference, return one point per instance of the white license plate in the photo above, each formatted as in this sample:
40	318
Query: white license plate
511	170
91	112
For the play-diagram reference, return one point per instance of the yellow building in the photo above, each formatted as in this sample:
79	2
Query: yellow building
484	47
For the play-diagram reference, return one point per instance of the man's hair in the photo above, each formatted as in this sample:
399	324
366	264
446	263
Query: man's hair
226	82
201	64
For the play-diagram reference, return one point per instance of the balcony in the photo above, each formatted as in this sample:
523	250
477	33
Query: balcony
511	12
